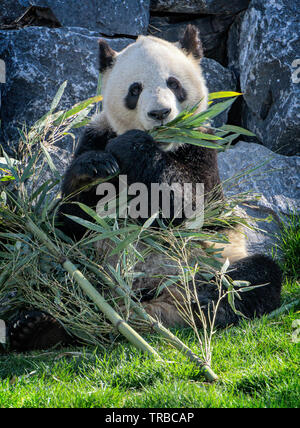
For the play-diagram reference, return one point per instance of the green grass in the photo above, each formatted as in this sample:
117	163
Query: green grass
290	246
257	363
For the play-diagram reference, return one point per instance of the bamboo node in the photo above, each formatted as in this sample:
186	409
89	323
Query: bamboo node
119	322
154	325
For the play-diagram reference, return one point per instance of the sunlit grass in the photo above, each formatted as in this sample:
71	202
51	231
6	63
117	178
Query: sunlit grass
257	363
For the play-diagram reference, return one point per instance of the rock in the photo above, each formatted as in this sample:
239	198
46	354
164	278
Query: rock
10	11
38	60
232	43
218	78
106	16
268	45
213	31
215	7
277	181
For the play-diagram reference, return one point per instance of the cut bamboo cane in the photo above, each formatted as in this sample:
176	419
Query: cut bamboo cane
159	328
113	316
117	321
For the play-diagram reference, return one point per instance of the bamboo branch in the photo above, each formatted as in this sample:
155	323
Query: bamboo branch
159	328
112	315
117	321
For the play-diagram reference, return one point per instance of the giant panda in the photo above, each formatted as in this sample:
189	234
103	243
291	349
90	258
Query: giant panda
145	85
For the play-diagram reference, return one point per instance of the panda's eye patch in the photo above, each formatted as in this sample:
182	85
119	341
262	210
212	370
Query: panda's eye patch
135	89
132	96
177	88
173	83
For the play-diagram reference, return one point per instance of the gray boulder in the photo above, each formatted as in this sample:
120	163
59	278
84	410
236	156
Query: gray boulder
216	7
218	78
38	60
264	57
212	28
10	11
275	180
131	17
233	43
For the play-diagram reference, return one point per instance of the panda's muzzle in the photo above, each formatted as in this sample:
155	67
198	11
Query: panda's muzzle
159	114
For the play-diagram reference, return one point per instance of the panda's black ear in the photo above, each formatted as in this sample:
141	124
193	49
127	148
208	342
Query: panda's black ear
106	56
191	43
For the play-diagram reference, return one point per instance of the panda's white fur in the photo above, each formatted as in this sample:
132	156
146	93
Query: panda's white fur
151	61
140	62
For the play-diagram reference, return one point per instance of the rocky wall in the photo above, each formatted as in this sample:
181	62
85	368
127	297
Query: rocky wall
252	46
249	45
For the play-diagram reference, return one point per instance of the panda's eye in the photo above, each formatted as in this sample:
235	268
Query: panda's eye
133	94
177	88
135	89
173	83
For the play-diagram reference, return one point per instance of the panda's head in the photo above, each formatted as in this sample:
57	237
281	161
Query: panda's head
151	81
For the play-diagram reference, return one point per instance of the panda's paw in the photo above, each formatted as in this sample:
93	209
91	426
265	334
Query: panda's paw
97	165
36	330
87	168
133	140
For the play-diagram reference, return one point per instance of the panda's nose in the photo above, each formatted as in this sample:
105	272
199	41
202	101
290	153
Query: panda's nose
159	114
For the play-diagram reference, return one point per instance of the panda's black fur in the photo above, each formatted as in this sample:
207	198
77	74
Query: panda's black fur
102	152
106	157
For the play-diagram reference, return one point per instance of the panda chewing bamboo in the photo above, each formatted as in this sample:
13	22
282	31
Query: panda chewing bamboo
145	85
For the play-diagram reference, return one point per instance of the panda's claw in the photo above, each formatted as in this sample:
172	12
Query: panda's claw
103	166
36	330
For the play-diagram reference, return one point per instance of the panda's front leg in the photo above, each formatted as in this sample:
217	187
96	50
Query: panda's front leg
79	185
137	154
87	168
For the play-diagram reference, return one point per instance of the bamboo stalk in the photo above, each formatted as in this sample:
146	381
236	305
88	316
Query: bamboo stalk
283	309
113	316
159	328
4	277
117	321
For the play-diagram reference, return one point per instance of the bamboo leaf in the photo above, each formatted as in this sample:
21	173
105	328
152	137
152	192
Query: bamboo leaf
237	129
223	94
7	178
50	162
92	213
28	171
215	110
84	122
77	109
225	267
187	140
87	224
125	243
58	96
